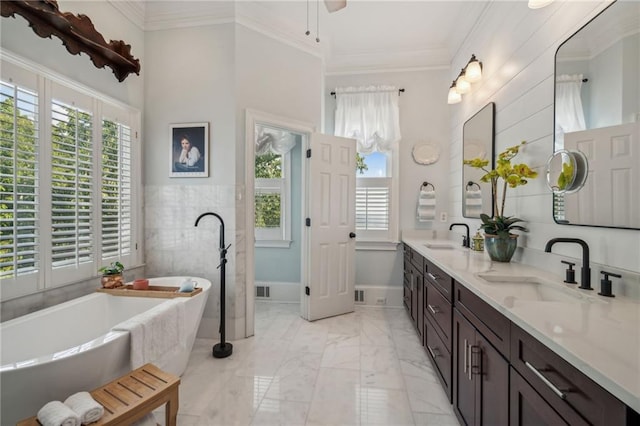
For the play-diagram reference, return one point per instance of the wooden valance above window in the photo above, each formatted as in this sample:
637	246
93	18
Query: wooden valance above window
77	34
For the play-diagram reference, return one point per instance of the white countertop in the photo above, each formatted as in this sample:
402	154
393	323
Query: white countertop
600	336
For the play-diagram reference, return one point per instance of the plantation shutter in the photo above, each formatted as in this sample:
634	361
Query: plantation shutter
116	206
373	203
19	207
71	186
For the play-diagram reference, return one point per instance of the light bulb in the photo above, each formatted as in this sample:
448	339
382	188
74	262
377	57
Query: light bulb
473	70
454	97
462	85
537	4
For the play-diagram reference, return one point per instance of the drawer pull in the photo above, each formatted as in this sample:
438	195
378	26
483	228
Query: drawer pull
545	380
434	310
471	348
432	276
465	356
433	352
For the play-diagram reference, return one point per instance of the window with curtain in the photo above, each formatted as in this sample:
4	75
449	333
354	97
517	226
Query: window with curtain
371	116
273	187
569	118
82	195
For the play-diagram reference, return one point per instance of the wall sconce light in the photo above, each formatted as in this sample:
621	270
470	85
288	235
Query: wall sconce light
454	97
537	4
471	73
462	85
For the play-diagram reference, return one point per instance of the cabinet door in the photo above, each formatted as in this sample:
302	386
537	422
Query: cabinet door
464	383
528	408
492	372
420	308
416	277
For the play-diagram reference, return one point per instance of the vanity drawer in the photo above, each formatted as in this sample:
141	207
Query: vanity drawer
440	356
492	324
562	386
439	310
416	260
439	278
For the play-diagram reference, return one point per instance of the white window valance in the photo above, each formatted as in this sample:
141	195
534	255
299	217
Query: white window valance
370	115
569	111
273	140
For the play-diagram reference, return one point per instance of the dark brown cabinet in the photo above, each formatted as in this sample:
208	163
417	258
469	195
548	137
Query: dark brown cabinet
560	388
437	323
493	371
413	288
481	377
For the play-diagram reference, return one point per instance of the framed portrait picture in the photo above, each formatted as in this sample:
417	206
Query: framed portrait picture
189	150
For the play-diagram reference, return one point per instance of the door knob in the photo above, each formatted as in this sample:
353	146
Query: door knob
352	234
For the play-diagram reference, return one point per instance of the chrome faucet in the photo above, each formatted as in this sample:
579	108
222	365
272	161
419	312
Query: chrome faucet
585	272
465	240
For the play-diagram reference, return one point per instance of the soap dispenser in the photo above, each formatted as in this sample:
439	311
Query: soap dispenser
477	242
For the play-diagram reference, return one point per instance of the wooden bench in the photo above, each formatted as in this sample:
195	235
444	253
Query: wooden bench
132	396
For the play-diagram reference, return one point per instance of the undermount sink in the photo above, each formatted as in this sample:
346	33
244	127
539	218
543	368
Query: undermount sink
440	246
530	288
496	278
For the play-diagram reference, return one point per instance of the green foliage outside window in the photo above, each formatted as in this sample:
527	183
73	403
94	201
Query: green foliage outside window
268	208
18	166
361	166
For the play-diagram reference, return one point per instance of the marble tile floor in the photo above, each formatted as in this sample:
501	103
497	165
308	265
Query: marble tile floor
363	368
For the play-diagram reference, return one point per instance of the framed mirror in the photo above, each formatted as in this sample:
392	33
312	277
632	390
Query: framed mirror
597	115
477	142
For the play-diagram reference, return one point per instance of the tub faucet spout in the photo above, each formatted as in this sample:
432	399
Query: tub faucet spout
585	271
465	240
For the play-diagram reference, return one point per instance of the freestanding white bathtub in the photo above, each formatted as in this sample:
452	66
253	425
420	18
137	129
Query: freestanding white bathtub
71	347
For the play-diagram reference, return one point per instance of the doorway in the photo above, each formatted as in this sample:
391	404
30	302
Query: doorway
327	205
275	235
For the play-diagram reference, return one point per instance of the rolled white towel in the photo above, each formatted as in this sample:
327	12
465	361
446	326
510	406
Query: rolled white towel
55	413
88	409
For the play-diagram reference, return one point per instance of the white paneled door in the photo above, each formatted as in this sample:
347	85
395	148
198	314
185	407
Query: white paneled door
608	197
330	272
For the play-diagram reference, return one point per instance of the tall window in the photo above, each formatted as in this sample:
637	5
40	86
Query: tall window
72	178
83	194
116	211
371	116
19	203
272	188
373	194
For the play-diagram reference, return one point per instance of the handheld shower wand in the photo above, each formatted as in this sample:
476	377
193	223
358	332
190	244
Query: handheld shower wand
222	349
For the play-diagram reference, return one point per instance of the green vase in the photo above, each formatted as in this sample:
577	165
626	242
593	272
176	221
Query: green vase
500	249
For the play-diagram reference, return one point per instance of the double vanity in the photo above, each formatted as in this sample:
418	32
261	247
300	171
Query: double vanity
513	344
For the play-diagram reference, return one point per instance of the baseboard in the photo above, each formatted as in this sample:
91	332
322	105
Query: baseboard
288	292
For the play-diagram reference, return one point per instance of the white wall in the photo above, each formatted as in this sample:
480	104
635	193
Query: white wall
517	47
192	80
423	118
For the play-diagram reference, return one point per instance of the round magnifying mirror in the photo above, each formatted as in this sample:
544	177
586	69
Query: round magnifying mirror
566	171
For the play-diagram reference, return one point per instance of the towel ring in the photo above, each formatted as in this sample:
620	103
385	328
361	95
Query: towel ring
471	183
433	188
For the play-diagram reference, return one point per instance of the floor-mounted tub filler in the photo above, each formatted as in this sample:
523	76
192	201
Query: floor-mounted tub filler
75	346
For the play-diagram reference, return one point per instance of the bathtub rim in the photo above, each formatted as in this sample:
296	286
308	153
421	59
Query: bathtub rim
110	335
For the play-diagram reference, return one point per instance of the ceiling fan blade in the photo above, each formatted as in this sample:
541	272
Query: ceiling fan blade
335	5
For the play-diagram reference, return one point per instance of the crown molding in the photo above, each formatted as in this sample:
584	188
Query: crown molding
134	11
257	16
385	61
